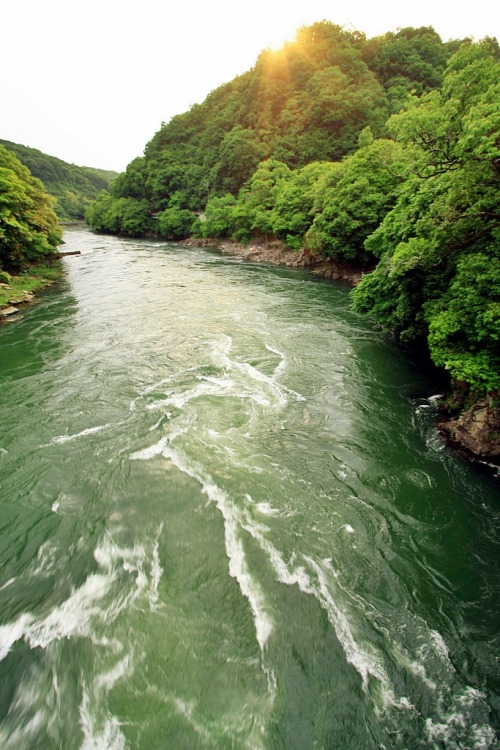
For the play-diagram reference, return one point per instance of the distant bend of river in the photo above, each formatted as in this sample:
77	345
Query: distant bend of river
227	520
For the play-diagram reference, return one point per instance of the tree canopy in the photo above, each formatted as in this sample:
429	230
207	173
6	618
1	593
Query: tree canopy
307	102
383	152
29	230
73	187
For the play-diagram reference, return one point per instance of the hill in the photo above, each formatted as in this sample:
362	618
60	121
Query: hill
73	187
383	153
306	102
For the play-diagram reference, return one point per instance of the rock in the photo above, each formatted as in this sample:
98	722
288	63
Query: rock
24	296
6	311
476	431
276	252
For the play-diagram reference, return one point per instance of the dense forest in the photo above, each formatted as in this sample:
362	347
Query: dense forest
29	228
74	188
381	152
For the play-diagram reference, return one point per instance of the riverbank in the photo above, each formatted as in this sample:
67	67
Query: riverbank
474	431
277	253
16	291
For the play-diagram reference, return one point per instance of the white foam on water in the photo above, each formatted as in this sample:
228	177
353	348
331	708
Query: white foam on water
282	364
348	528
436	397
230	726
48	560
463	727
417	668
85	604
73	616
207	387
107	679
13	632
159	422
22	736
187	710
156	572
360	659
279	392
151	452
441	647
103	734
7	584
238	567
267	510
364	663
55	506
84	433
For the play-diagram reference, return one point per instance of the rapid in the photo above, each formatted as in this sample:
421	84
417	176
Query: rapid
227	520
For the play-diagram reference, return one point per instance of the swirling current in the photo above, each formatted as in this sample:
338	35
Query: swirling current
227	520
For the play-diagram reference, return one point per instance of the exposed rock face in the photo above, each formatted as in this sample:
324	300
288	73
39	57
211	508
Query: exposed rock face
276	252
477	431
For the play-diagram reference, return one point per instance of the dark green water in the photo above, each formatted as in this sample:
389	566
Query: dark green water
227	521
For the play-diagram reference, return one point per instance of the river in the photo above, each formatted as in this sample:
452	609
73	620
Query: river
227	520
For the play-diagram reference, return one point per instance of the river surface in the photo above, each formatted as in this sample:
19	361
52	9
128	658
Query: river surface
227	520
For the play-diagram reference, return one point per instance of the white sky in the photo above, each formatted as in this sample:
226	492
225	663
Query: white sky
92	82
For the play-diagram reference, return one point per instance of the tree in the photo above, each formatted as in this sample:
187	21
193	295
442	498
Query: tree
365	189
175	223
257	199
73	187
439	246
294	203
29	230
239	154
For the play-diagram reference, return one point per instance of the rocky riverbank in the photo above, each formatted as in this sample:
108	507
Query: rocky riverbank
277	253
474	431
16	291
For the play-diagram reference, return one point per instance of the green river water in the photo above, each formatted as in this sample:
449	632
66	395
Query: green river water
227	520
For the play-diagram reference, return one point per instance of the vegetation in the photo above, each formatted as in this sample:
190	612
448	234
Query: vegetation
438	273
381	152
74	188
29	230
306	103
31	280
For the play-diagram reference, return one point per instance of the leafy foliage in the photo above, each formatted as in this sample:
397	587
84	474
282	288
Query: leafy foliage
29	230
439	247
382	152
73	187
307	102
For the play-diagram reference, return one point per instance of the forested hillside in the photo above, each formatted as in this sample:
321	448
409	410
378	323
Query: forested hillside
73	187
380	152
29	230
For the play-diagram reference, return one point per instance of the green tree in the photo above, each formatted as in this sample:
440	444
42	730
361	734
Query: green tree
175	223
439	246
257	199
365	189
217	219
73	187
294	203
239	154
29	230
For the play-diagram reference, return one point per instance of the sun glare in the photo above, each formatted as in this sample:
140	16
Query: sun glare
275	38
